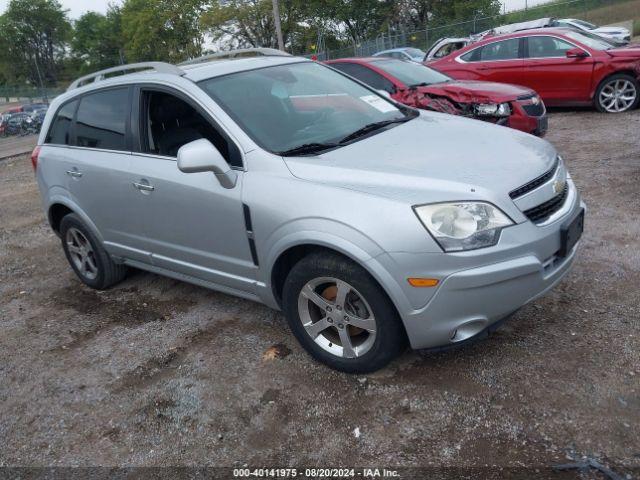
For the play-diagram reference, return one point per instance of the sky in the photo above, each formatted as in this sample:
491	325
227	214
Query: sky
78	7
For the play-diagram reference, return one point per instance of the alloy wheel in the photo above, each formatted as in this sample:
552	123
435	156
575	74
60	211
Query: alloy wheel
81	253
337	317
618	95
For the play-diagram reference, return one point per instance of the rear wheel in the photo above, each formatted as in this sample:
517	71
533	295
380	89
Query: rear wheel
340	315
88	258
617	93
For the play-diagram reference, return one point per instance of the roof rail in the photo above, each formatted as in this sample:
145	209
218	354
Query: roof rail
239	53
159	67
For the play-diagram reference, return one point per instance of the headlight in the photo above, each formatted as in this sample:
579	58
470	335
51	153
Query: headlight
463	225
493	109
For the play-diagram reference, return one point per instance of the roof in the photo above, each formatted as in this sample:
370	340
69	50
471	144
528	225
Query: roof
399	49
202	71
194	72
363	60
521	33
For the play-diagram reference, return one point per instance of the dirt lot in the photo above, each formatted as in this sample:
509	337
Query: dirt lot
16	145
156	372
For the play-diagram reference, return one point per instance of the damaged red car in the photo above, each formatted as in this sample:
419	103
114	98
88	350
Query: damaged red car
422	87
566	67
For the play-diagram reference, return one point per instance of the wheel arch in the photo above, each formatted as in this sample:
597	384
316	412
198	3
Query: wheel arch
59	205
625	71
289	256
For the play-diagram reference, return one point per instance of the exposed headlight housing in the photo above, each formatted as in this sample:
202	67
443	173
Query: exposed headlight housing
460	226
493	109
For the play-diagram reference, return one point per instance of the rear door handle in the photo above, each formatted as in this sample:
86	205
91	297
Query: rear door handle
74	173
144	187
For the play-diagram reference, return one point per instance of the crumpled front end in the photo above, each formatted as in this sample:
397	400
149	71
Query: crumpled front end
526	113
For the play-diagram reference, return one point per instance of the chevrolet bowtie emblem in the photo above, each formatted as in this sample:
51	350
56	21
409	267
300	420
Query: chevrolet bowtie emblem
558	186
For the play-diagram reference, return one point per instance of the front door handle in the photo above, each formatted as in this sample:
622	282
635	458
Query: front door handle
144	187
75	173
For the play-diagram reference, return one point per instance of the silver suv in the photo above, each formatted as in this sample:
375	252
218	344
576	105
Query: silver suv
283	181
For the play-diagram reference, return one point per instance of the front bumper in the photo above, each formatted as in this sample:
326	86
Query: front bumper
533	124
477	288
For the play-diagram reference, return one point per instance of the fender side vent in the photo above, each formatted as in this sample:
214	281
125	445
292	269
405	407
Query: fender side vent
249	226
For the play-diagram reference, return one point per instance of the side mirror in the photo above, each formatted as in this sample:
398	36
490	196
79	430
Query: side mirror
576	53
202	156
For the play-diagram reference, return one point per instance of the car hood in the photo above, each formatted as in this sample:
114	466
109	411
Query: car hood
630	51
471	91
610	30
434	157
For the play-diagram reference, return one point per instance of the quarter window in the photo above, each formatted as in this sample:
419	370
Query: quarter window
101	121
60	131
542	46
505	50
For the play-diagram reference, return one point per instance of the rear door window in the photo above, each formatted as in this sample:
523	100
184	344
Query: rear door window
60	131
101	120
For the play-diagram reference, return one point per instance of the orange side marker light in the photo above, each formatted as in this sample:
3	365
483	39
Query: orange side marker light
423	282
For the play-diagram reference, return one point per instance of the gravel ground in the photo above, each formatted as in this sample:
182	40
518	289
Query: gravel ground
156	372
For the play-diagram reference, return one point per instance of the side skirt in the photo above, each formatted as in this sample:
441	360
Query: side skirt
196	281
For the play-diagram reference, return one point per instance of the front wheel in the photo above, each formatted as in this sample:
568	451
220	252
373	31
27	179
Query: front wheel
340	314
617	93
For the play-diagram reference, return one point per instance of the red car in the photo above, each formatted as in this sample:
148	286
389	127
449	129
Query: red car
566	67
422	87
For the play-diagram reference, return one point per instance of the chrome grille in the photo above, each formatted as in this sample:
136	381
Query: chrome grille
543	211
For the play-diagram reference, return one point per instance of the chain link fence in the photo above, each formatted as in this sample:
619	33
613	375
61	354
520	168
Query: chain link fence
600	11
27	94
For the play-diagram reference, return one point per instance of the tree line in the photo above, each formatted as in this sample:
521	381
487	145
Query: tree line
41	45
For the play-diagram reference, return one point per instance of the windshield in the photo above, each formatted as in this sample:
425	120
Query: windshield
584	24
590	40
288	106
415	53
411	73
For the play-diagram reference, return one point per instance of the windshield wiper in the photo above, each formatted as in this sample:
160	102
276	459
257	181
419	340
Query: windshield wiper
307	148
370	127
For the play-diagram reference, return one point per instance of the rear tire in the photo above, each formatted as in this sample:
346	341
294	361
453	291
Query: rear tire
86	255
340	314
617	93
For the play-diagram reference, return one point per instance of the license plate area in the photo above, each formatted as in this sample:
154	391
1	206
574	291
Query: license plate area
571	233
543	125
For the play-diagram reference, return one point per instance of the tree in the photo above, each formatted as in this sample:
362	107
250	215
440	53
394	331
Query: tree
33	39
167	30
250	23
97	40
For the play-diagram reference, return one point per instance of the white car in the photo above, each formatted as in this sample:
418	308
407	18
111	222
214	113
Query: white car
406	53
620	34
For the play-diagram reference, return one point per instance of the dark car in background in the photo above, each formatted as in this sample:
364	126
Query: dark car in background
422	87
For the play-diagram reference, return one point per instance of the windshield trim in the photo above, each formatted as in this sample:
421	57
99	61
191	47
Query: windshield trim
408	112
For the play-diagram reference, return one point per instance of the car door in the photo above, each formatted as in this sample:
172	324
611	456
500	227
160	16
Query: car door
192	224
499	61
557	78
99	168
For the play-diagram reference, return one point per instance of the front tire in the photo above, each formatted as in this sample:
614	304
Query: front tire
86	255
617	93
340	314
